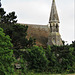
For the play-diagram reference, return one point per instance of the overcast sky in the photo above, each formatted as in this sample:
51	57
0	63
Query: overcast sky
38	12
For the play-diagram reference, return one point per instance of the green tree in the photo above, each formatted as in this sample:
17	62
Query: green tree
65	58
68	60
18	35
6	54
2	13
37	59
9	18
17	32
73	45
53	62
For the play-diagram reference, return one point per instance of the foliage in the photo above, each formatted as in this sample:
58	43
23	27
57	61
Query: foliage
17	32
65	59
53	59
18	35
37	59
73	45
7	18
51	56
22	63
6	58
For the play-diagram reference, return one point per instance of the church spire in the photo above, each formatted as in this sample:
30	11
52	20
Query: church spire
54	37
53	15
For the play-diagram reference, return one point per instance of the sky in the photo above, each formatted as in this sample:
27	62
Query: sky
38	12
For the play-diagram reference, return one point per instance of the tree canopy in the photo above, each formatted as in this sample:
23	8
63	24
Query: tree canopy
7	18
6	54
17	32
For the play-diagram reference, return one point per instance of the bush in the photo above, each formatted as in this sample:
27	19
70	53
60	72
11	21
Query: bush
6	58
37	59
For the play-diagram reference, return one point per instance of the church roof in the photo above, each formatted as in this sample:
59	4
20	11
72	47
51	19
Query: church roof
53	15
39	32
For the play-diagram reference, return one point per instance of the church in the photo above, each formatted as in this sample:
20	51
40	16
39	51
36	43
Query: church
46	34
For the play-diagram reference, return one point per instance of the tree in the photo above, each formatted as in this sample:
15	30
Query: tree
37	59
18	35
17	32
68	60
53	62
7	18
6	54
73	45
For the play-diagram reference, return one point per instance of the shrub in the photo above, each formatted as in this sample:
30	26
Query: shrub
37	59
6	58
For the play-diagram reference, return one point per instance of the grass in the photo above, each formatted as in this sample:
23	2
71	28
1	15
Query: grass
18	72
32	73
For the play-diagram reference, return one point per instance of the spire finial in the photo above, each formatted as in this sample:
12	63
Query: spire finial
53	15
0	3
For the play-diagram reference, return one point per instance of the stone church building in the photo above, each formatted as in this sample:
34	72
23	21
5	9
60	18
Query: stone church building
47	34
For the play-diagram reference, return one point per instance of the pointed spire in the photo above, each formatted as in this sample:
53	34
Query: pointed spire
0	3
53	15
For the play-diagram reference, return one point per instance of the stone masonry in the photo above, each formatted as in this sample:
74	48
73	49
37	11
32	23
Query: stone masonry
47	34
